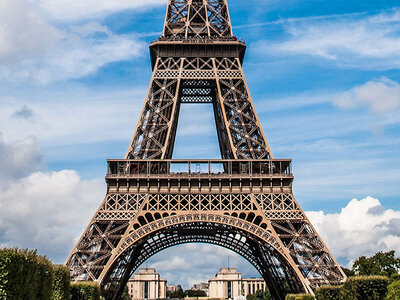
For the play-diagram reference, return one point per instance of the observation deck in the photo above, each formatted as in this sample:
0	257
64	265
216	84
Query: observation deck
197	47
199	175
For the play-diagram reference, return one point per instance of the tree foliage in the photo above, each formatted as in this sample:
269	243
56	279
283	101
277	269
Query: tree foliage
328	292
125	294
260	295
25	275
45	278
382	263
85	290
348	272
365	288
196	293
178	294
61	283
393	291
299	297
356	288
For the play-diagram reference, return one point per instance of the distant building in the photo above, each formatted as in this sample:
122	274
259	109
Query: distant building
229	284
171	288
201	287
147	285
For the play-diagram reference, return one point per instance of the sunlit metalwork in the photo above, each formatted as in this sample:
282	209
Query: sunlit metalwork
243	202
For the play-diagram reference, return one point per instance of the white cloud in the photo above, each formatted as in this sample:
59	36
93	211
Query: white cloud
80	57
48	211
77	115
197	279
90	28
78	9
358	40
176	263
363	227
23	31
18	159
380	96
31	48
42	210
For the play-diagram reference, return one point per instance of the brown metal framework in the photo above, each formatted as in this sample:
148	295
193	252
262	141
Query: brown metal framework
243	202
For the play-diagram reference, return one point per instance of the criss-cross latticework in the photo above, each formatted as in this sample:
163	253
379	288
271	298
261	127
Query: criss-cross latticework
197	19
214	80
243	202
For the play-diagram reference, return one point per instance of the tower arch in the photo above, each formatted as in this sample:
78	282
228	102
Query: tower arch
250	241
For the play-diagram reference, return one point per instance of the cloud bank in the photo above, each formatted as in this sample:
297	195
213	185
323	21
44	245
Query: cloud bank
379	95
74	116
18	159
48	211
356	40
42	210
33	49
363	227
68	10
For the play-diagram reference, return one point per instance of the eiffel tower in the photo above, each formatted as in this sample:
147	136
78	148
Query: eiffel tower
243	202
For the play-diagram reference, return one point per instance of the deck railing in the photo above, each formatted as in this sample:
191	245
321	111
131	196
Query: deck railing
194	168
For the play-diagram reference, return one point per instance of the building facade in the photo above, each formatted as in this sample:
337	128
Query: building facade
229	284
200	286
147	285
203	286
171	288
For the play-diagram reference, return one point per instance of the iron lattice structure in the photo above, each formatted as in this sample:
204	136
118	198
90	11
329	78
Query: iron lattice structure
243	202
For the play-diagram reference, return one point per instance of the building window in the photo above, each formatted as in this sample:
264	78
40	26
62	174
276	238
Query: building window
146	290
229	289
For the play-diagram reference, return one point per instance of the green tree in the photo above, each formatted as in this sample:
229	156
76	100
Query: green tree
393	291
382	263
252	296
348	272
267	295
364	288
178	294
394	277
260	295
85	290
61	283
125	294
196	293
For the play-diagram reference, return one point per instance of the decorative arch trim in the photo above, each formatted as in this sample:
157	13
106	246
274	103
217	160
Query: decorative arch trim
137	234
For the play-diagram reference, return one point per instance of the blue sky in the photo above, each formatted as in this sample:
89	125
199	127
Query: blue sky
324	77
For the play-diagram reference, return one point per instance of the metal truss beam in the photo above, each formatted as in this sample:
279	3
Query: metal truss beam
214	80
